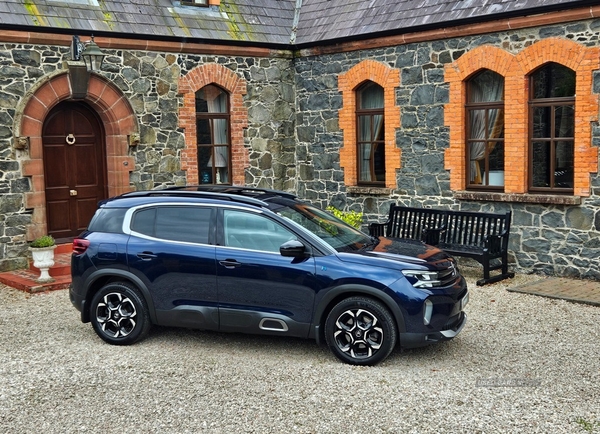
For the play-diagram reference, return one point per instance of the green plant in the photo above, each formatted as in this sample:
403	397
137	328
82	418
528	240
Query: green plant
588	426
44	241
353	218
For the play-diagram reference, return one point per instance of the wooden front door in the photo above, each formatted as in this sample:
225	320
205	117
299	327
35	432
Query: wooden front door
74	168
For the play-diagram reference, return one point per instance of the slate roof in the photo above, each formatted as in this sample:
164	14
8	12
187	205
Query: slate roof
325	20
268	22
263	21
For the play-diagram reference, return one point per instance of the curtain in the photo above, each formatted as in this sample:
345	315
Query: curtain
371	98
217	103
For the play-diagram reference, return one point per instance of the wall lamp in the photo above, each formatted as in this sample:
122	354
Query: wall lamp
90	53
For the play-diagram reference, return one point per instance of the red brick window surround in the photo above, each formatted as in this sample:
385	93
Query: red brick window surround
517	70
235	87
351	82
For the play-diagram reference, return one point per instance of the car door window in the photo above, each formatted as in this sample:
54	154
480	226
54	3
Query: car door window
254	232
174	223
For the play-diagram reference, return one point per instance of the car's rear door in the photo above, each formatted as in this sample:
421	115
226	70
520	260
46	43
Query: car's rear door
170	250
259	290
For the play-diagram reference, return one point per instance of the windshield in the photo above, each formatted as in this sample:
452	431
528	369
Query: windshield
335	232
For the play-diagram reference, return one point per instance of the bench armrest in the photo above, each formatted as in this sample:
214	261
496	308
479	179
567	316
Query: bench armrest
378	229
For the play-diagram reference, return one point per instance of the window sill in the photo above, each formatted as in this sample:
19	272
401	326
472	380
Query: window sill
371	191
523	198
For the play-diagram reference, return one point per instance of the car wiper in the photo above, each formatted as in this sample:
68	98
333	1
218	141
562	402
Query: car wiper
369	245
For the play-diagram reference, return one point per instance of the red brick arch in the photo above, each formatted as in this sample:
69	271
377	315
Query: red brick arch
117	117
233	84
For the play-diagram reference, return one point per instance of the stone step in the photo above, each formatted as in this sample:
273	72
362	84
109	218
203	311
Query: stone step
25	280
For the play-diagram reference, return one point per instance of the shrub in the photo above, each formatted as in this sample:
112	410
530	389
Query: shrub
45	241
353	218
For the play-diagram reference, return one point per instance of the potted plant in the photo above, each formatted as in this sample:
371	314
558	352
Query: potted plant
42	251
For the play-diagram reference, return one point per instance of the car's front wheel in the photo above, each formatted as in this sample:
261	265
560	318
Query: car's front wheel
360	331
119	314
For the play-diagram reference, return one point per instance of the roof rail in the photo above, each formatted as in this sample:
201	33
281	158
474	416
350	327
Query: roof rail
258	193
195	193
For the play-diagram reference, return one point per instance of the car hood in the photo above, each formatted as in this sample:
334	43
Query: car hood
396	252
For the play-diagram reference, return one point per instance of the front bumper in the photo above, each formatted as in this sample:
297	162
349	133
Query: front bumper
415	340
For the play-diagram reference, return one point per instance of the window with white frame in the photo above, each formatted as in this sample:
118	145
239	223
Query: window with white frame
194	2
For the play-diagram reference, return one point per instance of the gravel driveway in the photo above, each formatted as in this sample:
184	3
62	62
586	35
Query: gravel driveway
523	364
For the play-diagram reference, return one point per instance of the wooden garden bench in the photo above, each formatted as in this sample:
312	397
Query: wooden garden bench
477	235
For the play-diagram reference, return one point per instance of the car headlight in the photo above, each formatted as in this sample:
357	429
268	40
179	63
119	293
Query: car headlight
422	279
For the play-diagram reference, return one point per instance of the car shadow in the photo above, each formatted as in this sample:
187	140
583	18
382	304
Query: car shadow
250	345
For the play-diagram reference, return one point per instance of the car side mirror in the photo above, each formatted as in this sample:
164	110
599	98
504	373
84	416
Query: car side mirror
292	249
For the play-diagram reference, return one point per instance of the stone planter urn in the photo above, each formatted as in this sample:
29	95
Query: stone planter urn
42	252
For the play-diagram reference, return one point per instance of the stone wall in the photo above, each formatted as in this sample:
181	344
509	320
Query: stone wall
20	68
271	130
552	239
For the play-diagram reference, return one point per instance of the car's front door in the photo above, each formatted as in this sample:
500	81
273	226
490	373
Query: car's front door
259	290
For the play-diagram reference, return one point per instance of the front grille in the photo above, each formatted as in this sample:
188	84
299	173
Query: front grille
448	275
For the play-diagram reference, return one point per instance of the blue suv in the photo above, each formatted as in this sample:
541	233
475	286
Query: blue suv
236	259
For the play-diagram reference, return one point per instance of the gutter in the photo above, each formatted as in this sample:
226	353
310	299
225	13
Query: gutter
295	22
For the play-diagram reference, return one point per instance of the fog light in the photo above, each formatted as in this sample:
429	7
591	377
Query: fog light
427	311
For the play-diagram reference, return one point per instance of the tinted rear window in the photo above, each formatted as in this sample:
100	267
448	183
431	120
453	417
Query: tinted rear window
175	223
108	220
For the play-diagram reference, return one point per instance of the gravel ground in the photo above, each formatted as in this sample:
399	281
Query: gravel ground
523	364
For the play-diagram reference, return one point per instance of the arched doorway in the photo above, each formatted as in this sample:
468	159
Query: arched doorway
73	141
119	127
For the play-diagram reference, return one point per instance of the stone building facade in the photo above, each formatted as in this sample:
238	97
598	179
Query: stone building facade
557	235
292	127
142	97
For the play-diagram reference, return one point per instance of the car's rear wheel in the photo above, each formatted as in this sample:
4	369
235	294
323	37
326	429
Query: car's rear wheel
360	331
119	314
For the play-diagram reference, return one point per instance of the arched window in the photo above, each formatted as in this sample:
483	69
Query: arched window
552	129
213	138
370	134
485	131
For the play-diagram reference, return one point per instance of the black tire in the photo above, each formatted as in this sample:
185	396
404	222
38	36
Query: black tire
119	314
360	331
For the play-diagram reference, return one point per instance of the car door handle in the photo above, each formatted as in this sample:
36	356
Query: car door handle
146	256
230	263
